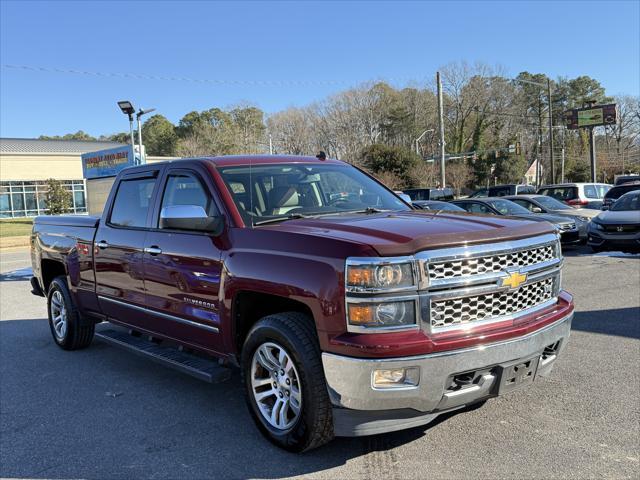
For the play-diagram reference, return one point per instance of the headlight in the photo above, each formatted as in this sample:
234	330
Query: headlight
596	225
584	219
362	276
397	314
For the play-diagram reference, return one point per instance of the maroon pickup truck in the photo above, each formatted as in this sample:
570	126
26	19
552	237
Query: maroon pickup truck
347	312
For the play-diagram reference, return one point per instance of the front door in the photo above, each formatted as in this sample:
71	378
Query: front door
119	247
182	268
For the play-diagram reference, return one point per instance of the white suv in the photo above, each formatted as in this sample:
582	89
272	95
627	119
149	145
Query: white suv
579	195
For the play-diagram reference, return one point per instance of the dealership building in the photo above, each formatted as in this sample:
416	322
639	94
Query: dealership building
26	164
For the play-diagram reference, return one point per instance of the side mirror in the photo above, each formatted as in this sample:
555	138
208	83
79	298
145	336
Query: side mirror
190	217
536	210
605	207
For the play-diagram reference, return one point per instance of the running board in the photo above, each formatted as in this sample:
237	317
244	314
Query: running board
197	367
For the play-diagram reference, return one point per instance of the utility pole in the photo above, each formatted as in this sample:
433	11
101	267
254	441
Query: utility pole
592	154
553	168
539	153
441	125
592	146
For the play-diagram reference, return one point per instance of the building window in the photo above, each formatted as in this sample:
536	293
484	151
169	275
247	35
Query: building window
28	198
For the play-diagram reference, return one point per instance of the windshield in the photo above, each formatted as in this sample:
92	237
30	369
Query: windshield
269	193
552	204
507	207
627	202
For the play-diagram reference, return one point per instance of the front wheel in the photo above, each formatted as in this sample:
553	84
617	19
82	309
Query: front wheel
284	382
64	319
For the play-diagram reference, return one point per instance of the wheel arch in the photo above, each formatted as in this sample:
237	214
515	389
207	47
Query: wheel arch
249	307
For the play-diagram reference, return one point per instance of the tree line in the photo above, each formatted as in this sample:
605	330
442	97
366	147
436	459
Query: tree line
376	125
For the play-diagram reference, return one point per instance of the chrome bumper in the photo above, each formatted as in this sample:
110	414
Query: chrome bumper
350	387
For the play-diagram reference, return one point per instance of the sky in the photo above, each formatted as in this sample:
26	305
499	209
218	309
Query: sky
281	54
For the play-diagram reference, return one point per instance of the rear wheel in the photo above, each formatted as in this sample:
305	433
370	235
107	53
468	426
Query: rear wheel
284	382
65	322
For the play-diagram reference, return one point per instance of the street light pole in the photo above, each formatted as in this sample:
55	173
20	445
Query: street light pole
140	113
441	125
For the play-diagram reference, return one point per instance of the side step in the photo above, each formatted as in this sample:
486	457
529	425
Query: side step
197	367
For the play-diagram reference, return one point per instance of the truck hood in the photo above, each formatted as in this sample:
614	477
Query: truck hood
404	233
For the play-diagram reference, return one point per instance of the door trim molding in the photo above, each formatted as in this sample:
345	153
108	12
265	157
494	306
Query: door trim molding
166	316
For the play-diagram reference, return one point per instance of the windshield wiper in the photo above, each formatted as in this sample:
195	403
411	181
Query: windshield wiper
292	216
370	210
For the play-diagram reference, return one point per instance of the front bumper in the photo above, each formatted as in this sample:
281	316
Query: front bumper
360	409
570	237
600	239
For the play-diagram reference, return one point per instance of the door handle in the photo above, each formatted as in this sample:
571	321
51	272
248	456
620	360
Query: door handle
102	244
153	250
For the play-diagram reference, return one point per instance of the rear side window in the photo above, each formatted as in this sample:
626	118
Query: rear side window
499	191
131	204
561	193
590	191
476	208
525	189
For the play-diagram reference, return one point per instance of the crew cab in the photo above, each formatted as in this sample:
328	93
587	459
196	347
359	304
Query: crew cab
347	314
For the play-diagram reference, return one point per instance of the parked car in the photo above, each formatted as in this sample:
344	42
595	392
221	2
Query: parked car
430	193
437	205
503	190
619	227
567	227
347	315
622	179
616	192
545	204
579	195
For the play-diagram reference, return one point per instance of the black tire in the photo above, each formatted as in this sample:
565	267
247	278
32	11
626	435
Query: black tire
296	333
76	335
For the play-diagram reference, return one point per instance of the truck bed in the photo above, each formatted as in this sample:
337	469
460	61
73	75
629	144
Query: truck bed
68	220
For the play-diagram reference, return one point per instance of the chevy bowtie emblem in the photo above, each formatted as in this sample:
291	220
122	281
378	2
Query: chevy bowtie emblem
514	279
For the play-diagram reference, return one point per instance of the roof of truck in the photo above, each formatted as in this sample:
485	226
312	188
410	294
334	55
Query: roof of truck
236	160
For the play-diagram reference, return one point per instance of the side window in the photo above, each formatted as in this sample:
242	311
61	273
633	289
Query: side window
523	203
478	208
131	204
186	189
590	191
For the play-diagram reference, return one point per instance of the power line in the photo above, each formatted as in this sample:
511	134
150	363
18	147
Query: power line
206	81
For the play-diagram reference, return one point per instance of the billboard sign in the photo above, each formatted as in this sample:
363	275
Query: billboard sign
594	116
107	163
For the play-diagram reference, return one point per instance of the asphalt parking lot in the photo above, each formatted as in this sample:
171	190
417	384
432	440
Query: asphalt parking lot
104	413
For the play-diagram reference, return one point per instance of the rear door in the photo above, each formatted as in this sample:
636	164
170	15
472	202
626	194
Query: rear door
119	244
182	268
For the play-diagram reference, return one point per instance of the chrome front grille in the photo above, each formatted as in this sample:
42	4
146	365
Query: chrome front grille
479	284
495	305
565	227
467	267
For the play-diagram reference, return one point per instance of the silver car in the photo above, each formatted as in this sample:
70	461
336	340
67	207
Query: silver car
545	204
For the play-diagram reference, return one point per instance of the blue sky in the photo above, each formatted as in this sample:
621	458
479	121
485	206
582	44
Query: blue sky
317	48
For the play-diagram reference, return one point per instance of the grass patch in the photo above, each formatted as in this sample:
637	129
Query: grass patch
13	227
